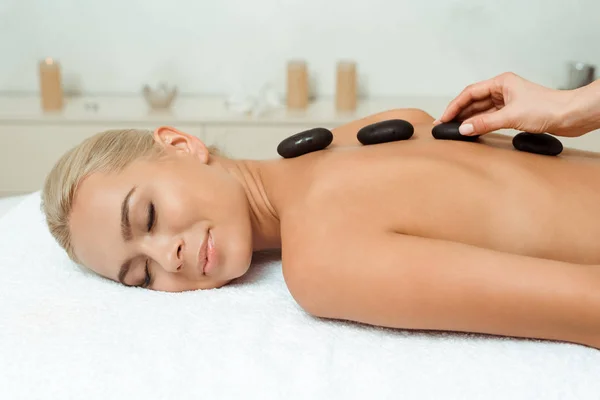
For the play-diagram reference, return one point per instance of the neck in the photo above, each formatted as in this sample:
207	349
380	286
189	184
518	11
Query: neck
257	179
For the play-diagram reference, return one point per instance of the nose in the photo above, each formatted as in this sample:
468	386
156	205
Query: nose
168	253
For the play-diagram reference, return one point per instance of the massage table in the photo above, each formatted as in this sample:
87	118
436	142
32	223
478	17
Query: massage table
66	333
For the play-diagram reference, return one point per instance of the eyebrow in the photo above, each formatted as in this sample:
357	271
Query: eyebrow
126	233
125	224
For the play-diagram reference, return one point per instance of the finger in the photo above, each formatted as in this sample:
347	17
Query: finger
486	123
472	93
466	128
476	108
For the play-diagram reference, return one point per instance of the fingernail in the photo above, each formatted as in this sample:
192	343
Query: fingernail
437	121
466	129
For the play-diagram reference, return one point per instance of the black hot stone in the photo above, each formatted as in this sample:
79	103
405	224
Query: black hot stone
385	131
305	142
449	131
538	143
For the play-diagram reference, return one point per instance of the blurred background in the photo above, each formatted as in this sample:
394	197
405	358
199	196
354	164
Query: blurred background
402	47
228	61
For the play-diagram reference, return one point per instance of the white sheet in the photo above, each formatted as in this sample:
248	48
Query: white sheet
7	203
66	334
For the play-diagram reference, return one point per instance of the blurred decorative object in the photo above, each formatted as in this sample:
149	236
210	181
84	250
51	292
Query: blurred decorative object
244	103
346	83
160	98
297	85
51	91
91	106
580	74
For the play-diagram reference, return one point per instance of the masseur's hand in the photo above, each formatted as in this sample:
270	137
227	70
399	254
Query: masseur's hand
509	101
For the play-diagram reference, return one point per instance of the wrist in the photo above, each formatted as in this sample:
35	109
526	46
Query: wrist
582	109
570	110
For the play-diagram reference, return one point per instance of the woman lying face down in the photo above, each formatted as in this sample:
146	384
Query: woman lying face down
418	234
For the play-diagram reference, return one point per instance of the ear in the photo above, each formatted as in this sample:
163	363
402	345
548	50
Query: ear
172	138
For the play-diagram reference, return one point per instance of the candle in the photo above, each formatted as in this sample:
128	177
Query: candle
50	85
345	96
297	85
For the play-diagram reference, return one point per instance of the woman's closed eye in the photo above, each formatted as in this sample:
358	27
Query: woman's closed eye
150	224
151	216
148	279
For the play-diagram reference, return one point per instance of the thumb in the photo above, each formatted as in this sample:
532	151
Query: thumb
485	123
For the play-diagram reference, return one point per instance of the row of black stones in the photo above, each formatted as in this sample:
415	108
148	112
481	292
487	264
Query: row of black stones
398	129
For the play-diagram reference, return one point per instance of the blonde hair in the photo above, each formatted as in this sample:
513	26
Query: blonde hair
108	151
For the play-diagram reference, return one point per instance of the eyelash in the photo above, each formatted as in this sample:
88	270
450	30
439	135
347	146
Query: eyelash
151	216
151	222
148	276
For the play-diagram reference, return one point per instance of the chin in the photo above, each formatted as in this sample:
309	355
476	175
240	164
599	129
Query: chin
220	284
242	254
240	270
237	265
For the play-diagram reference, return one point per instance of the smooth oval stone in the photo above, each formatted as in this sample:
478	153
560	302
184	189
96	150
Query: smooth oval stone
449	131
305	142
538	143
385	131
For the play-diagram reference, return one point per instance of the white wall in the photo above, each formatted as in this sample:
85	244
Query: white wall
403	47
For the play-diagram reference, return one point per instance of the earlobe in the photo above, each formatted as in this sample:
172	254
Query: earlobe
172	138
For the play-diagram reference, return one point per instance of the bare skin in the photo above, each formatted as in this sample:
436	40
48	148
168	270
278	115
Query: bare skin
429	234
419	234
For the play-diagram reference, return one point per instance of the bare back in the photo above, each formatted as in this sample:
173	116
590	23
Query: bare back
487	195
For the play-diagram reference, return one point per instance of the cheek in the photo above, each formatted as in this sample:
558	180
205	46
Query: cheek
217	195
177	208
177	196
190	193
240	245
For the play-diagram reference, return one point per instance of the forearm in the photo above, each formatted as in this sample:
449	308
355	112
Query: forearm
508	295
583	113
419	283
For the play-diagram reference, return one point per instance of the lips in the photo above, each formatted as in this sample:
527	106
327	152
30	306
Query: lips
202	255
212	258
207	255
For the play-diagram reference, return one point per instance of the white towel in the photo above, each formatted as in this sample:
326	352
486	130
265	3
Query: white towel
68	334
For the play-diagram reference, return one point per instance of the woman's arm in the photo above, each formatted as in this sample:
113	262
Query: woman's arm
346	134
584	113
509	101
410	282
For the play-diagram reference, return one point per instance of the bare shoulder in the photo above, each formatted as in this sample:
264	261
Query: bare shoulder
317	237
318	229
308	253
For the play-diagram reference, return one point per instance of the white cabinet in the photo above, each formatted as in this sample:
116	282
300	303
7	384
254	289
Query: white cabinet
29	150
